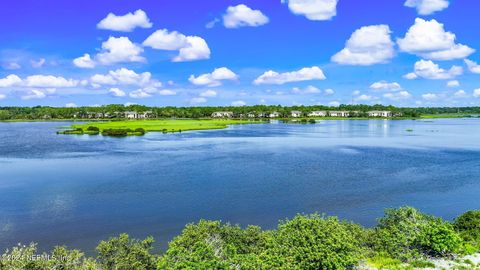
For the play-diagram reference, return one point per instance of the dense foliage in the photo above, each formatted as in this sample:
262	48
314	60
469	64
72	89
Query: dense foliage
403	236
113	110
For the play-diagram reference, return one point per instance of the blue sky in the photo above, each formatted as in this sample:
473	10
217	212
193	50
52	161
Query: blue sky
213	52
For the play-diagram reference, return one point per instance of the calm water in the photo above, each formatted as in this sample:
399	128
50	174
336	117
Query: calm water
77	190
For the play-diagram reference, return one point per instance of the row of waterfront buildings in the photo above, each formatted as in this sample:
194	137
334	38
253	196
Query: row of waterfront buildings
297	114
227	114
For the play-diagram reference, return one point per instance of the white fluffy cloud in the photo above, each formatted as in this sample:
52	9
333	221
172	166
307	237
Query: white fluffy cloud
429	70
401	95
454	83
241	15
140	93
476	93
10	80
49	81
239	103
429	40
427	7
329	92
190	48
208	93
315	10
460	94
384	85
34	94
116	92
214	78
472	66
167	92
71	105
38	64
198	100
124	76
430	96
307	90
363	98
84	61
304	74
119	50
2	96
11	65
125	23
367	46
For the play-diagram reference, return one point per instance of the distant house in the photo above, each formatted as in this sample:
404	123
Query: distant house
274	115
380	114
222	114
251	115
131	115
262	115
339	113
318	114
296	114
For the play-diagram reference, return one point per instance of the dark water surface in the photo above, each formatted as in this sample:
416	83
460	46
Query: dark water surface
77	190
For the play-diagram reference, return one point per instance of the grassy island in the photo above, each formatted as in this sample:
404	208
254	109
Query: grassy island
140	127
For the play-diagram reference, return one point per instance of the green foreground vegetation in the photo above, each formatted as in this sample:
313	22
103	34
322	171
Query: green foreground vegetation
404	238
140	127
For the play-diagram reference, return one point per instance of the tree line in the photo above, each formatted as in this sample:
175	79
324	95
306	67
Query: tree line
404	238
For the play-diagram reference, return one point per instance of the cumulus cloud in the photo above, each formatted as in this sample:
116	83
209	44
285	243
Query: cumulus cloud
71	105
427	7
384	85
430	96
429	70
198	100
125	23
167	92
329	92
84	61
315	10
49	81
429	40
214	78
367	46
119	50
363	98
11	65
208	93
401	95
140	93
190	48
116	92
454	83
3	96
334	103
476	93
304	74
460	94
34	94
307	90
472	66
239	103
241	15
10	80
124	76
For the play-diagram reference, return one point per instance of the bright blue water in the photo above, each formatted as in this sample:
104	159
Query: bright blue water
77	190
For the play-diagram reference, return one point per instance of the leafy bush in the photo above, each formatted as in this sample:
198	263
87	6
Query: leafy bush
116	132
406	233
468	225
125	253
213	245
91	128
314	242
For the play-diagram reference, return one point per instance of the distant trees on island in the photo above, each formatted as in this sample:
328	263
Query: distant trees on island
404	238
121	111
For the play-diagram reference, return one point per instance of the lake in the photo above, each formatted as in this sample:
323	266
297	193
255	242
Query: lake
78	190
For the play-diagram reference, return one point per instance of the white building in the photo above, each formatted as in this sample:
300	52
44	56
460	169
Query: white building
250	115
296	114
274	115
222	114
318	114
339	113
380	114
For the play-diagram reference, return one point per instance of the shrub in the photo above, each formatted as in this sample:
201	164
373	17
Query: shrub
468	225
314	242
406	233
213	245
91	128
115	132
124	253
